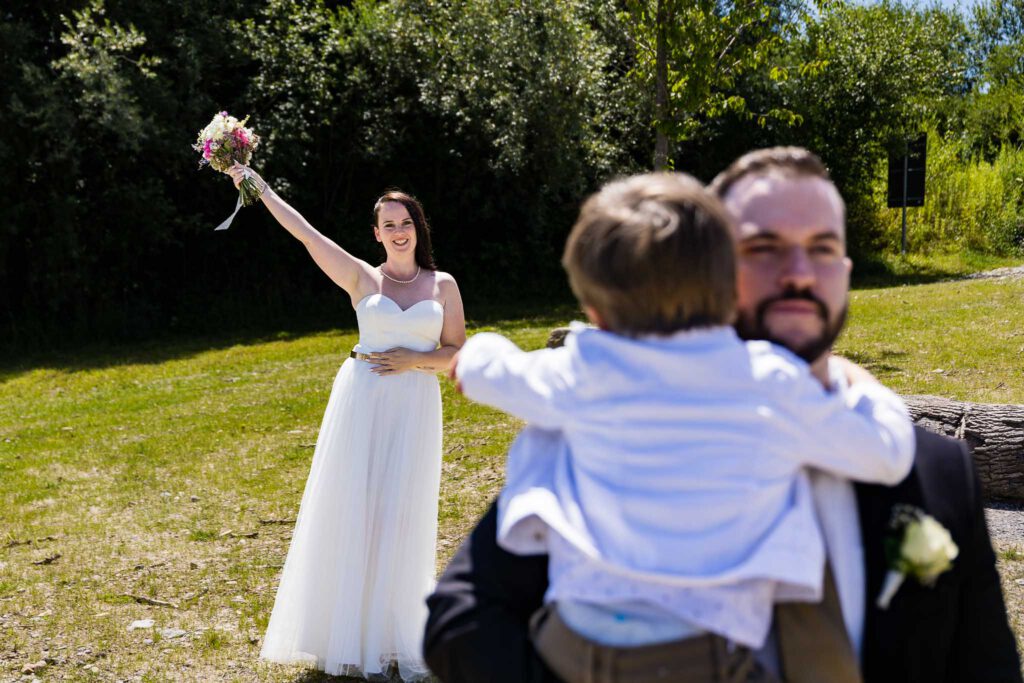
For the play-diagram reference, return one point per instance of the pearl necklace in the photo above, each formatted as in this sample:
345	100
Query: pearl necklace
401	282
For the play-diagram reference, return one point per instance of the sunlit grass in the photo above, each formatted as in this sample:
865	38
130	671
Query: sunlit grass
148	470
961	339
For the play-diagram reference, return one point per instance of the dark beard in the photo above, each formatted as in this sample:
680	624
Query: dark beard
812	350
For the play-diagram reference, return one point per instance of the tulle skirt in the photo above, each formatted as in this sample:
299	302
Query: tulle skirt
361	562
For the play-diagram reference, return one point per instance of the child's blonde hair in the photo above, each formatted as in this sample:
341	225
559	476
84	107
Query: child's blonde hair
653	254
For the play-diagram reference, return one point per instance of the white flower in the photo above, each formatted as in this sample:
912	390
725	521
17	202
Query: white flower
928	549
924	551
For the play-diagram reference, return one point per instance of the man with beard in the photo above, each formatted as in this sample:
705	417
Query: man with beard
792	287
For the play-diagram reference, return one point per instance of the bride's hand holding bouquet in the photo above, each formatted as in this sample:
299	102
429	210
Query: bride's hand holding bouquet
224	143
243	175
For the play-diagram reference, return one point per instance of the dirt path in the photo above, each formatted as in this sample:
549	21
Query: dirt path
1012	273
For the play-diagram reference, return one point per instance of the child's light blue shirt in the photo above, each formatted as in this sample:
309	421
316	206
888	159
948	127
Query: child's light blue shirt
682	485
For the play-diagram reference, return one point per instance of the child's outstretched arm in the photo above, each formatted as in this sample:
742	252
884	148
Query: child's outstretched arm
864	433
532	386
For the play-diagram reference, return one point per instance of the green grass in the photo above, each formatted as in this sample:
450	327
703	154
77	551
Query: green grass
893	270
1011	554
962	340
145	468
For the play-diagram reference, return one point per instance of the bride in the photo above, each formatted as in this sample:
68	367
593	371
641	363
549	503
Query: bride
361	562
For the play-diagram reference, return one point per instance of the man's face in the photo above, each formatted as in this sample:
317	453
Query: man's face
793	275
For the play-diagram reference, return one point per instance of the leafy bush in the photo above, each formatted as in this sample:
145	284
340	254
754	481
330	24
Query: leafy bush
970	203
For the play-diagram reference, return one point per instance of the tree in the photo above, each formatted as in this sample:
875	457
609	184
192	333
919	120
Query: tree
100	101
889	69
499	115
993	112
690	54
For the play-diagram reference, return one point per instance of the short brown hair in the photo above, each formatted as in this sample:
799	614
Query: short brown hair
424	253
788	162
653	254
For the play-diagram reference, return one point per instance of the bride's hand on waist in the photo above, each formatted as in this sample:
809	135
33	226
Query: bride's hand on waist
394	361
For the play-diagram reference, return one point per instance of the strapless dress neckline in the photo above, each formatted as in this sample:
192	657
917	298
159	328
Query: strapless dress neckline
397	305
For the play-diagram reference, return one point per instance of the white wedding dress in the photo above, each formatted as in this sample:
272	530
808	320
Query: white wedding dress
361	561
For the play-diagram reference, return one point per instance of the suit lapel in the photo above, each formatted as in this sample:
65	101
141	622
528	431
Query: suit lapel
872	510
882	627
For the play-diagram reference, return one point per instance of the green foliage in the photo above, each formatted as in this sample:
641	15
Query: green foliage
296	48
887	67
498	137
538	78
539	99
992	115
690	55
214	639
501	116
101	61
92	163
971	203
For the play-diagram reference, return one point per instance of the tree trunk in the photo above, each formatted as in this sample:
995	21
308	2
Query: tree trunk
661	87
993	431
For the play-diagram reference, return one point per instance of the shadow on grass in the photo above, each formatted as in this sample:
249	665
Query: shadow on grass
101	355
880	271
869	272
878	362
538	314
311	676
872	274
321	677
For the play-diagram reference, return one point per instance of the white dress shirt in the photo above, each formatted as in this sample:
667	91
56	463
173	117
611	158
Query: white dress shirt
683	483
836	504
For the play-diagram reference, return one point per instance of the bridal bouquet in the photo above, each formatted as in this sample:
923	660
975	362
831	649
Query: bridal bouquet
224	142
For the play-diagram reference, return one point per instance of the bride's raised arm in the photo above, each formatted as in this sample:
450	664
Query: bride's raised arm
348	272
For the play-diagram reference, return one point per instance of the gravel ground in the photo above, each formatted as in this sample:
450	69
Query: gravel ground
1012	273
1005	524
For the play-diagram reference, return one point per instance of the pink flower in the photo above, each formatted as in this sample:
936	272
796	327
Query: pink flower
223	113
207	153
241	137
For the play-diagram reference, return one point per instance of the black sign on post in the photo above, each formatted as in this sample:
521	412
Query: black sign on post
906	179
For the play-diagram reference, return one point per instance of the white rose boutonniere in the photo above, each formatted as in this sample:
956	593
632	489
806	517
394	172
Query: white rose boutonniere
919	547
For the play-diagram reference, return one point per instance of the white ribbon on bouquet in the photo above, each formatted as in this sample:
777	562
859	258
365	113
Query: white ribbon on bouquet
238	205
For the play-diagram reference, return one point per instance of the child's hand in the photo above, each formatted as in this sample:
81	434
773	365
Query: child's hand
854	373
451	372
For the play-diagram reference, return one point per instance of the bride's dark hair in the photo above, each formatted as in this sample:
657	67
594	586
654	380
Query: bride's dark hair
424	254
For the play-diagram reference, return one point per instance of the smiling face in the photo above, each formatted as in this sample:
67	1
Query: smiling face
395	229
793	275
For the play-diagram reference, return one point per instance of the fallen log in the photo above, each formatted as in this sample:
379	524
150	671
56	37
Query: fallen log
993	431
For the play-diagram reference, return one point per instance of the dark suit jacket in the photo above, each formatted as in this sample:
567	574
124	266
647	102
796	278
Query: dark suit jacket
954	632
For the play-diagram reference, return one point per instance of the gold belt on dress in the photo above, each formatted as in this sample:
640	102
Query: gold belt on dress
361	356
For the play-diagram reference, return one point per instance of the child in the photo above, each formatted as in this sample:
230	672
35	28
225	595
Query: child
680	506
